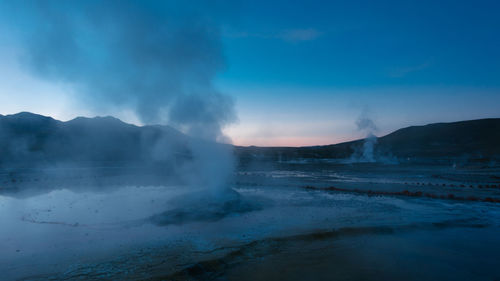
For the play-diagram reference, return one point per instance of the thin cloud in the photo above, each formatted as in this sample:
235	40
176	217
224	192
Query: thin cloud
403	71
289	35
297	35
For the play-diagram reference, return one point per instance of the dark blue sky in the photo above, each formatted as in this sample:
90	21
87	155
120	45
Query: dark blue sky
365	43
406	62
302	72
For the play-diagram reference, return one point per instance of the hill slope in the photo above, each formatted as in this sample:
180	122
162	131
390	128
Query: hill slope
29	139
474	138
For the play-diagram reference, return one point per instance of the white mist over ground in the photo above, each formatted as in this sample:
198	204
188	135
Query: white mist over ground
156	59
115	234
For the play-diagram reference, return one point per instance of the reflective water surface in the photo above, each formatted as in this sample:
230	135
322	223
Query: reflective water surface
264	226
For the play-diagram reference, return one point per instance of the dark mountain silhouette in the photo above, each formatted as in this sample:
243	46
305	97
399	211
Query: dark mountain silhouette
478	139
29	139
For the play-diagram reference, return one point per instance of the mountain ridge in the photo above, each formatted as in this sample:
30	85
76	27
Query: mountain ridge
27	137
33	139
478	138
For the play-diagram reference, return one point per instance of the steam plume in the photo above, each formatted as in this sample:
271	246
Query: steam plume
367	126
157	58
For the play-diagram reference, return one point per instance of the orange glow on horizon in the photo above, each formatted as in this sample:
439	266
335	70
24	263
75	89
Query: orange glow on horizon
288	141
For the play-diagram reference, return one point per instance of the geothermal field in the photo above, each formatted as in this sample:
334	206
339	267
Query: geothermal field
273	221
249	140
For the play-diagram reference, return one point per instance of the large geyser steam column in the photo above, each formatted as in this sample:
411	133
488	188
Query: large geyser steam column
157	58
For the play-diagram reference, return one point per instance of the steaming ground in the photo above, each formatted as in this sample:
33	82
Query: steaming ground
264	226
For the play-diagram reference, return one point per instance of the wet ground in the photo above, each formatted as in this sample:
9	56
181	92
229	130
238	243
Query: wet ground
281	221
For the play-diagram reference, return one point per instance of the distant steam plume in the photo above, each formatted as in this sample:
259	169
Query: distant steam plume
367	126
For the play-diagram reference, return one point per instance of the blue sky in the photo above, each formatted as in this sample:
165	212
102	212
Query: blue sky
320	64
365	43
303	72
